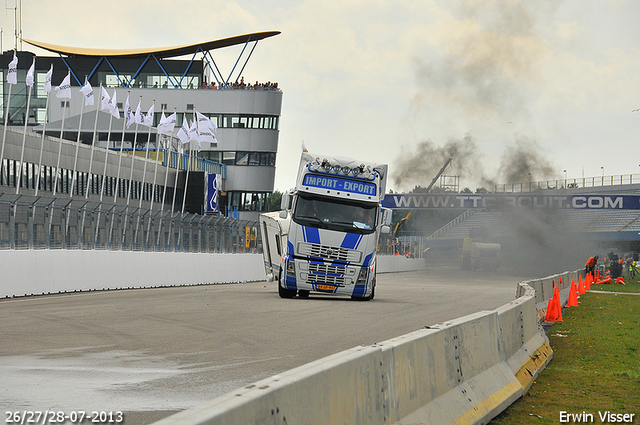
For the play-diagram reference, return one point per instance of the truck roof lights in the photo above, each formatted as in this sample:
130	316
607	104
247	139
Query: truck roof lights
361	171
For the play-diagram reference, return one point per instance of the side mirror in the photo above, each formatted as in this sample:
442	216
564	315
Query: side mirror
385	229
387	216
283	214
284	202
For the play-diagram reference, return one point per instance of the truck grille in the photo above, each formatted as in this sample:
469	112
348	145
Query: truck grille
329	252
326	269
330	280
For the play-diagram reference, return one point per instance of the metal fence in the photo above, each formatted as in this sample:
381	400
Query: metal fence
575	183
28	222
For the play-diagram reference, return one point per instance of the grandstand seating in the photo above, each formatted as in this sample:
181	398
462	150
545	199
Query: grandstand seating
499	222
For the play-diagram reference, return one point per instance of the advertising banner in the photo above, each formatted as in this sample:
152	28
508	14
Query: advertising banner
213	192
505	201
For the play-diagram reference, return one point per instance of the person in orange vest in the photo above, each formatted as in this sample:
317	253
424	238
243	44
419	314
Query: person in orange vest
591	263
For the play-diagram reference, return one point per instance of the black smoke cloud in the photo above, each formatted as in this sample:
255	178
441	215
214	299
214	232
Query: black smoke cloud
524	162
482	75
521	162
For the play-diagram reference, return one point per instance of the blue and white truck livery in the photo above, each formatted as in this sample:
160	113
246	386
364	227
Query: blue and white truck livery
326	236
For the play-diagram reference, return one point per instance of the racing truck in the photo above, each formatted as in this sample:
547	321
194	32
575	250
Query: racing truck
325	238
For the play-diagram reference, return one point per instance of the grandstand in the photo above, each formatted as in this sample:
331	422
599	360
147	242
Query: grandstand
625	223
541	227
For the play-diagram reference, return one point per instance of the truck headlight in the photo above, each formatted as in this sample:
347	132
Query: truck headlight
362	277
291	268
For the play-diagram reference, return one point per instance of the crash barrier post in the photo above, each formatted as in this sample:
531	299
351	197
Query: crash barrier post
463	371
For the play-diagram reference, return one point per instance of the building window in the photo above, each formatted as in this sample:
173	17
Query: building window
249	201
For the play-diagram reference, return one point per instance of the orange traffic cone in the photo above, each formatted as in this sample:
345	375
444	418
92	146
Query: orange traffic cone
607	280
554	309
556	296
620	281
582	288
573	296
588	283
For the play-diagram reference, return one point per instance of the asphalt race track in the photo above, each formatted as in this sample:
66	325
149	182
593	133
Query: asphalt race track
152	352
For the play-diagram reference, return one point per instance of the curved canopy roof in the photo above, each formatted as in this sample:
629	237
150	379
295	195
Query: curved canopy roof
165	52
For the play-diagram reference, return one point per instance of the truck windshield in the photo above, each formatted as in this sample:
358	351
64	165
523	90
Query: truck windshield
335	214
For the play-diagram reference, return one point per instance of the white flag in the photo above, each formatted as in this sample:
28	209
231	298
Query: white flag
193	131
139	119
105	101
148	119
206	135
87	91
114	110
162	122
205	122
47	80
167	124
128	113
183	133
30	73
64	89
12	74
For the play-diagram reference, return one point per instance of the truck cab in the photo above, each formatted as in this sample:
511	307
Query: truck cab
328	229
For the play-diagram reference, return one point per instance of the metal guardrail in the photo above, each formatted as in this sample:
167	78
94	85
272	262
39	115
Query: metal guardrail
63	223
569	183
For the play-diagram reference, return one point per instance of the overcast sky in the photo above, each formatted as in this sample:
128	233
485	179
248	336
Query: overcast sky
506	87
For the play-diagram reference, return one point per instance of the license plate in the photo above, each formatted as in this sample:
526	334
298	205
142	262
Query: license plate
325	287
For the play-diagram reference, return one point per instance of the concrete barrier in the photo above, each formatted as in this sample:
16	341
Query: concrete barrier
465	371
399	263
544	287
31	272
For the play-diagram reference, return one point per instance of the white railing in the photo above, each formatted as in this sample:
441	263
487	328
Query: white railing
616	180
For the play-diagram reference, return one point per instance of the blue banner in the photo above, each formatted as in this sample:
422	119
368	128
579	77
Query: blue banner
213	192
501	201
340	184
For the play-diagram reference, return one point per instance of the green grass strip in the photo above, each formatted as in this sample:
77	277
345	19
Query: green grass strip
596	363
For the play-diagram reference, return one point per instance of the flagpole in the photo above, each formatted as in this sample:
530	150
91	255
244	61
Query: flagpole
55	185
75	160
124	126
135	141
93	148
4	135
44	127
155	166
175	183
166	175
154	174
106	156
118	182
164	192
144	172
19	171
104	177
186	180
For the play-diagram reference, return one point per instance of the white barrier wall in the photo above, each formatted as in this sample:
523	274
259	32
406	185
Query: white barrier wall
465	371
399	263
28	272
